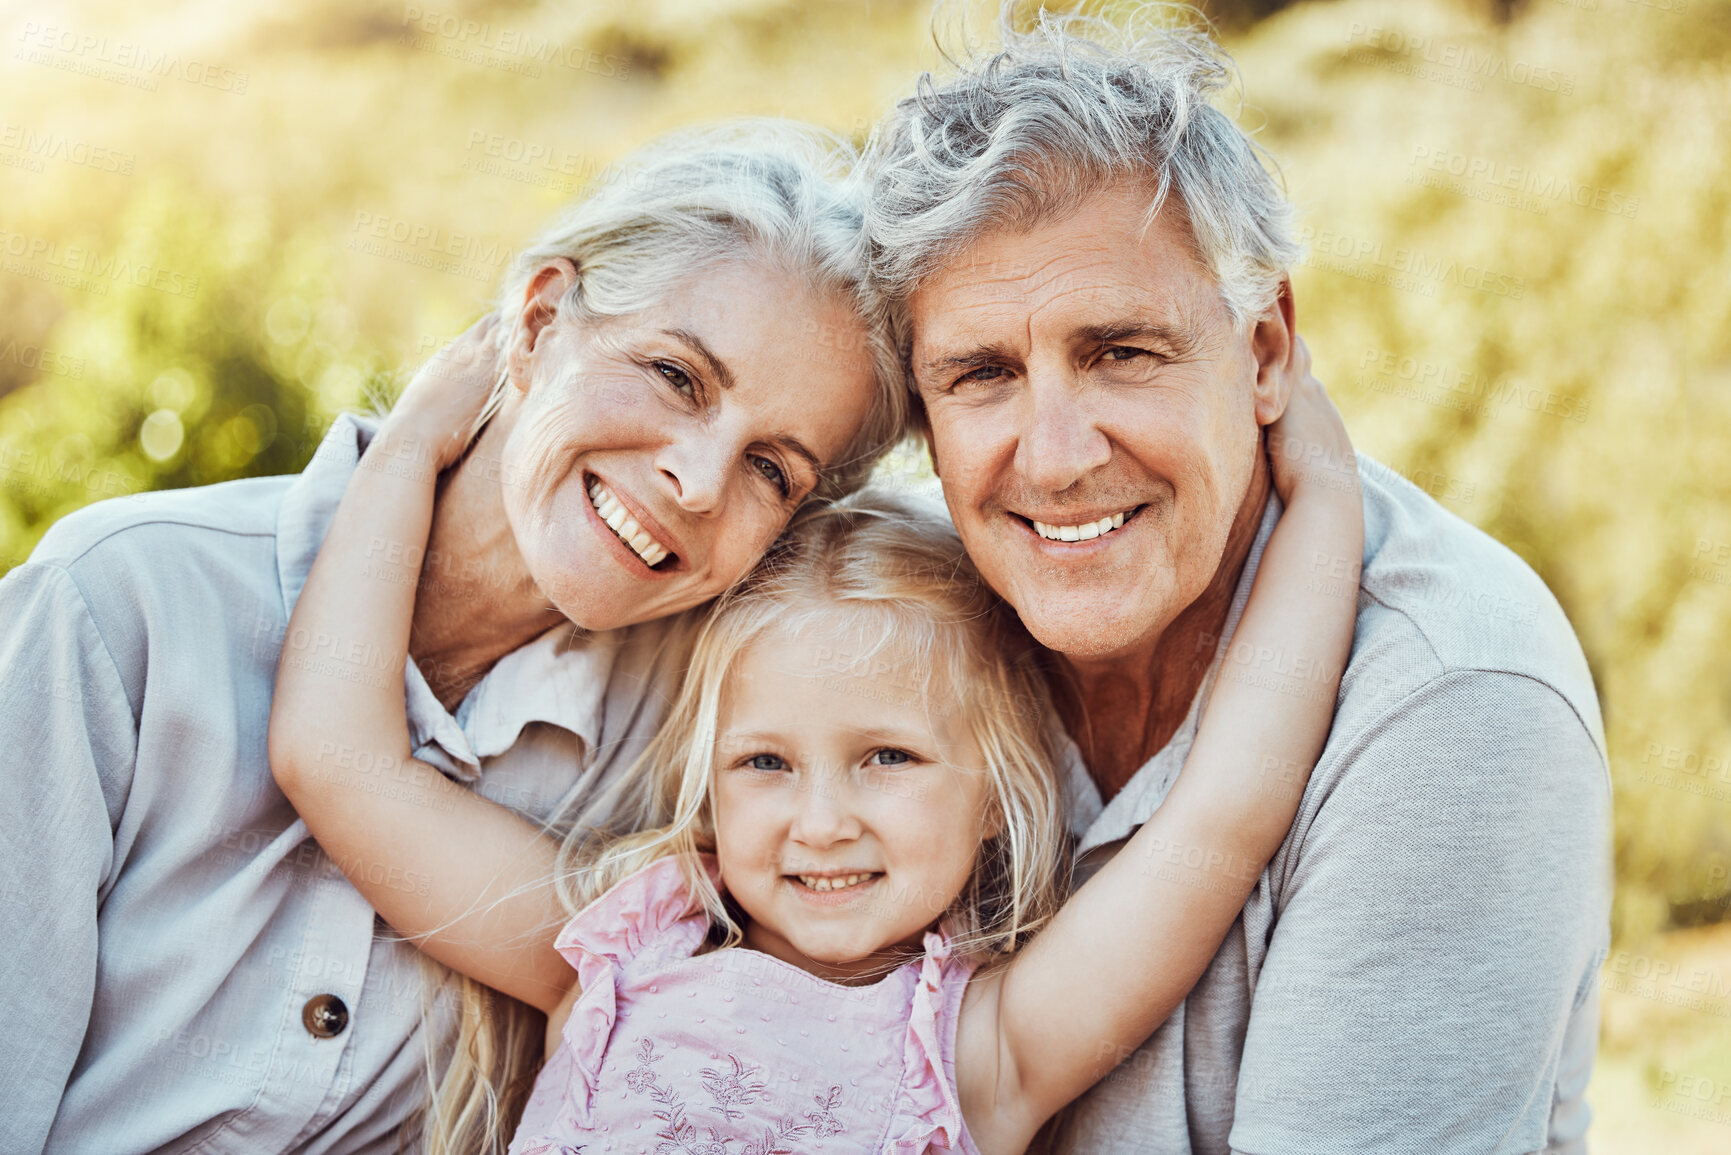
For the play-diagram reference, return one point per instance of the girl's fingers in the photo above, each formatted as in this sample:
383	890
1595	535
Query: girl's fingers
1309	442
443	402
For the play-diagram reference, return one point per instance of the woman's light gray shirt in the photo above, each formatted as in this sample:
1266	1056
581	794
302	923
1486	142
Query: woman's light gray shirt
1416	970
168	918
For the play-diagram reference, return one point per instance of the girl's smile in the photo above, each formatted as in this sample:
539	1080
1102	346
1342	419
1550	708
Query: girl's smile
839	790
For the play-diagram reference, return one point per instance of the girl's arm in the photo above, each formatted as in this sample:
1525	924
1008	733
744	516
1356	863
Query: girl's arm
468	880
1128	946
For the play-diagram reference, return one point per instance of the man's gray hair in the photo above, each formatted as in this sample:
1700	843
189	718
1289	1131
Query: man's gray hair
765	190
1063	109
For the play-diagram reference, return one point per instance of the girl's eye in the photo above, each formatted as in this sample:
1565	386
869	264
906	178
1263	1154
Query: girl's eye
678	378
772	473
891	758
766	762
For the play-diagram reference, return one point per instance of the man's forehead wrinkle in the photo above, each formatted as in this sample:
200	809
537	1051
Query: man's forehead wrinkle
975	329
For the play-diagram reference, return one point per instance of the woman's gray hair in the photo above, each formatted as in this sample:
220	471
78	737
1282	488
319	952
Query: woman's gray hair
763	190
1063	109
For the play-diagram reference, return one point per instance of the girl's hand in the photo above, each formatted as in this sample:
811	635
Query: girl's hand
438	414
1308	446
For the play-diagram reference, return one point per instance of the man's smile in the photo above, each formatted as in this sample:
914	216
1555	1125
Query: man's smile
1069	527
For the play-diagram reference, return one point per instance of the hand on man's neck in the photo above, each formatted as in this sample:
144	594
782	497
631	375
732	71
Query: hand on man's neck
1126	708
476	601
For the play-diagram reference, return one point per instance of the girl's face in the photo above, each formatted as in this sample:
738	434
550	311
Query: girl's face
850	802
650	460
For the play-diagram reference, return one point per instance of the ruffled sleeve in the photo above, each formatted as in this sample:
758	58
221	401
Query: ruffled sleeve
649	912
930	1118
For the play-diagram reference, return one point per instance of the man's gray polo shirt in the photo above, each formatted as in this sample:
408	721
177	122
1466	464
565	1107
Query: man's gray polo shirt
184	968
1416	971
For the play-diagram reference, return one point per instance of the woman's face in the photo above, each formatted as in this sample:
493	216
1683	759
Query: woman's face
652	459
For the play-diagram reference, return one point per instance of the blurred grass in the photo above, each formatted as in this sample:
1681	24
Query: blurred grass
1518	288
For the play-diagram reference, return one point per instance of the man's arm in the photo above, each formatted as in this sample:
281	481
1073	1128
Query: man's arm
1440	925
67	744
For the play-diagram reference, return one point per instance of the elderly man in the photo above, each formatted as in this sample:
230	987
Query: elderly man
1094	267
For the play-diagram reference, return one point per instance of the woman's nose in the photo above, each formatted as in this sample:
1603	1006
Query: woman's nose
696	467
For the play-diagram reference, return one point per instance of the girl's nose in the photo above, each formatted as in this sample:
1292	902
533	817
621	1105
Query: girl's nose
825	816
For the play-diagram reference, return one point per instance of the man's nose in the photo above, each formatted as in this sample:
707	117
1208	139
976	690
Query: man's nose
825	816
1060	441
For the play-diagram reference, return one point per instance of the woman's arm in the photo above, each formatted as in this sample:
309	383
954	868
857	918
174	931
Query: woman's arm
1128	946
468	880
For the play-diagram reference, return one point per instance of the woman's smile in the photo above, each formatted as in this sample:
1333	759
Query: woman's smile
615	513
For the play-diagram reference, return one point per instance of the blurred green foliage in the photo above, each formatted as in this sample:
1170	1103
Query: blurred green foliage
1517	284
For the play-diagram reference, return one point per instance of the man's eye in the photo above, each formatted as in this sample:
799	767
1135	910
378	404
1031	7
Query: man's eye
984	375
772	473
678	378
1124	353
891	758
766	762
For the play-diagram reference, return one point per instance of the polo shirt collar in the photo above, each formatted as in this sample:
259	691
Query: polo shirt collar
559	678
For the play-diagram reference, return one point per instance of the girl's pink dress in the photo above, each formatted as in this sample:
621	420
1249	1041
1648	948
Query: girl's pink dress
735	1052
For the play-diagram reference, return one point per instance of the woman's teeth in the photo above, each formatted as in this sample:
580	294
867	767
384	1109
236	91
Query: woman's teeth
834	882
625	526
1084	532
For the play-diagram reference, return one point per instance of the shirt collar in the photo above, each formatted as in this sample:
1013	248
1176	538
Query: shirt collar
1095	822
559	678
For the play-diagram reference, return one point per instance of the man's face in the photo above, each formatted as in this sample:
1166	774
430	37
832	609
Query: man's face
1095	417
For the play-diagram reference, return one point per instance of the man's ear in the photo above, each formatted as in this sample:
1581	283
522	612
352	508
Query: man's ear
1273	342
542	297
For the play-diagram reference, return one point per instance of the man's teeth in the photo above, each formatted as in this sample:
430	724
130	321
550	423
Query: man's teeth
1083	532
834	882
625	526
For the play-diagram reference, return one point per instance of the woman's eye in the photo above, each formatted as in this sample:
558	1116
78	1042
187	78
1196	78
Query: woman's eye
772	473
678	378
766	762
891	758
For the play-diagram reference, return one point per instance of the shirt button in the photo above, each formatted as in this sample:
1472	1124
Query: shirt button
325	1016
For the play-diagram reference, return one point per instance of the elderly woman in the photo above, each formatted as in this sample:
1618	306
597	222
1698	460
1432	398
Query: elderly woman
684	362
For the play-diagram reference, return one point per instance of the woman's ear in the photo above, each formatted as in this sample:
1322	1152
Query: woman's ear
542	297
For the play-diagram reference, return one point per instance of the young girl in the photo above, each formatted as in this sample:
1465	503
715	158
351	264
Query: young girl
828	916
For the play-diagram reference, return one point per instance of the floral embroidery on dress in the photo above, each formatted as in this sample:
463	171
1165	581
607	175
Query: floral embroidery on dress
823	1120
732	1089
641	1077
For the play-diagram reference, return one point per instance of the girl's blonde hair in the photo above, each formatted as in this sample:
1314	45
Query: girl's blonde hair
886	571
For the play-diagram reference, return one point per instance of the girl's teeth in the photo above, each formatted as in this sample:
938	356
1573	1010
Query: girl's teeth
1085	532
625	526
828	882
